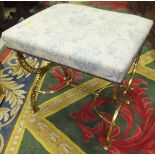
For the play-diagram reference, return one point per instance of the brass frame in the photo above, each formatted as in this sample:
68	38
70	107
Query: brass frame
119	100
69	77
39	73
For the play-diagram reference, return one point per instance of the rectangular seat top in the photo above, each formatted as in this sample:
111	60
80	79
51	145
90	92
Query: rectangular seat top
99	42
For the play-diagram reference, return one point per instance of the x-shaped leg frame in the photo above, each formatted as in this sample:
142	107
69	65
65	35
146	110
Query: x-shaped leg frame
69	77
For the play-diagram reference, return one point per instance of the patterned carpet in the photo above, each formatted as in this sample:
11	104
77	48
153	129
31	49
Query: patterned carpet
66	121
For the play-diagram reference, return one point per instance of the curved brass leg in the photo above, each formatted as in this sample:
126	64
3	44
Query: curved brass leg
34	107
29	68
119	100
131	78
115	96
65	70
107	143
69	75
39	72
95	107
112	123
40	75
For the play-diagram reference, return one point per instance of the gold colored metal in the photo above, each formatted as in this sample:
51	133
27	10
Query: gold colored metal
45	92
95	98
99	91
29	68
113	124
115	97
82	89
132	74
108	139
69	77
40	75
65	70
39	72
119	100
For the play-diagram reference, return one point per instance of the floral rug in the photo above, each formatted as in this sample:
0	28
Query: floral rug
66	121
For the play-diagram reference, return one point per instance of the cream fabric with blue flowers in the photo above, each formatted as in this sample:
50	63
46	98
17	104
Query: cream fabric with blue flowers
95	41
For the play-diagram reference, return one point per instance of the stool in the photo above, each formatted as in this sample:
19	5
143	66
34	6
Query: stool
97	42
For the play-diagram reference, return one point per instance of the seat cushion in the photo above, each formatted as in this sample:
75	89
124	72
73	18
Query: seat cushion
99	42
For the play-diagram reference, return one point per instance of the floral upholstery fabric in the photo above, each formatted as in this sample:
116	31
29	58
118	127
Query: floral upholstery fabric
102	43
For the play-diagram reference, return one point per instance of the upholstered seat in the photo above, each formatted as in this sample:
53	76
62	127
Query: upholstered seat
102	43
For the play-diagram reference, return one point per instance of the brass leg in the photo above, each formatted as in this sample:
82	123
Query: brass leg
107	143
119	100
128	88
115	96
65	70
95	107
39	72
25	65
112	123
34	107
69	75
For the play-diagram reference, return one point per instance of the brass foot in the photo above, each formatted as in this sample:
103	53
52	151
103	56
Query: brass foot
107	146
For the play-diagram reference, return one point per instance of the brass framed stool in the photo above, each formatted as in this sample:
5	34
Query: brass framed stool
97	42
